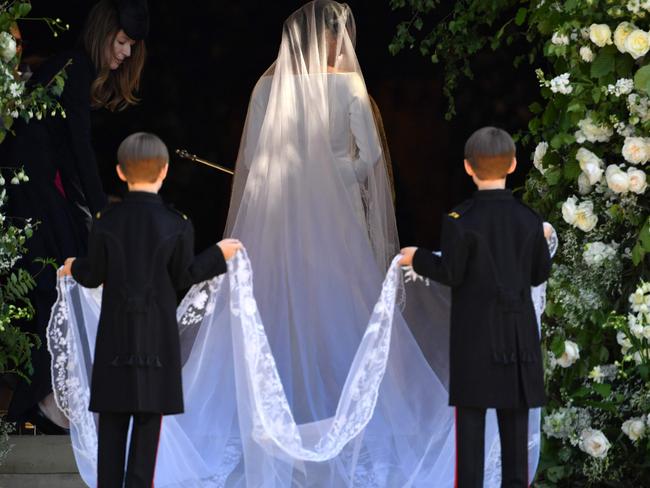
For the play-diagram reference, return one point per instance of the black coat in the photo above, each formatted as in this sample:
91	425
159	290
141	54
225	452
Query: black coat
142	251
44	147
493	251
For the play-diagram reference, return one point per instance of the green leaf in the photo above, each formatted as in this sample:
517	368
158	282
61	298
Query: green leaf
571	170
553	176
644	236
24	9
520	18
642	79
604	63
637	254
603	389
557	346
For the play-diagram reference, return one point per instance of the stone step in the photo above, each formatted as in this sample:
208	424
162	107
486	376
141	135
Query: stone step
40	461
41	481
41	454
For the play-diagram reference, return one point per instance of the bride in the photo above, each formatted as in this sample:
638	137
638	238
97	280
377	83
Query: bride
293	388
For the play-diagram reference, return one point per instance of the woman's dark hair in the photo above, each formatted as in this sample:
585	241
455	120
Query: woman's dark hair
113	89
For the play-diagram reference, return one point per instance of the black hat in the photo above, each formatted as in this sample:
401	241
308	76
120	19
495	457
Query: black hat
134	18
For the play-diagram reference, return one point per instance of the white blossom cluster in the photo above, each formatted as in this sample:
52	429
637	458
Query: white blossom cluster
561	84
639	108
602	373
623	86
598	252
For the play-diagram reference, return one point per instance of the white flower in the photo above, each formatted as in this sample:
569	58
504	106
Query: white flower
570	355
15	180
590	164
584	187
596	374
634	428
586	54
637	43
623	341
591	132
597	252
594	443
623	86
637	180
561	84
2	180
639	107
560	39
600	34
540	152
7	46
636	150
617	180
585	219
569	209
636	328
621	33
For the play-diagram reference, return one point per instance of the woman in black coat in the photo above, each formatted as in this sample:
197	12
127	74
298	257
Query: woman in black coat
64	188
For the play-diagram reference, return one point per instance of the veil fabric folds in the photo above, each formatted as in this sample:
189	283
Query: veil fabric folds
299	367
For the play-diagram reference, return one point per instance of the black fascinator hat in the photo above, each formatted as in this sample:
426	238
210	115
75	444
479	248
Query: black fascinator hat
134	18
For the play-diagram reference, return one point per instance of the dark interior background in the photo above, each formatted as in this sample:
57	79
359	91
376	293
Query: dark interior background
206	56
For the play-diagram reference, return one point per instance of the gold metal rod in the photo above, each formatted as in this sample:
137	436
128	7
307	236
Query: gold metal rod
192	157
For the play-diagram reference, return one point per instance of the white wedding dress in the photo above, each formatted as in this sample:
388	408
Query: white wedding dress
299	367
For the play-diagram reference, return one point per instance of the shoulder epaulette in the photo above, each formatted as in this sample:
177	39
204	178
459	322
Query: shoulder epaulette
102	213
461	209
171	208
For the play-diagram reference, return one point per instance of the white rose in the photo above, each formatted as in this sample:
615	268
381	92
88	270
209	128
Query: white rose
585	218
540	152
637	43
594	443
570	355
569	209
7	46
586	54
634	428
600	34
584	187
591	132
617	180
590	164
637	180
635	150
621	33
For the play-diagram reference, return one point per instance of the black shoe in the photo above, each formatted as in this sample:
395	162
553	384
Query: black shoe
44	425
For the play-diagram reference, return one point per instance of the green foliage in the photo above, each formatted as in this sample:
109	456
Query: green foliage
465	29
592	130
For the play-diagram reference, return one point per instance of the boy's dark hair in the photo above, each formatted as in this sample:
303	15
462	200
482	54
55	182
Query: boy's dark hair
142	156
490	151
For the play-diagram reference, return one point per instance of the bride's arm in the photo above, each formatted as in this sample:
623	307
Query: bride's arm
364	130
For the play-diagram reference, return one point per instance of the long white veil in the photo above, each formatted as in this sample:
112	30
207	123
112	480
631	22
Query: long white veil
299	368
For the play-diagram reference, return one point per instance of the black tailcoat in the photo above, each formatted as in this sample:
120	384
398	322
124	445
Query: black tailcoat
493	251
142	251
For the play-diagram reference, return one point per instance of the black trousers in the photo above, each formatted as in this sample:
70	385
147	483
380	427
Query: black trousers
143	448
470	447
